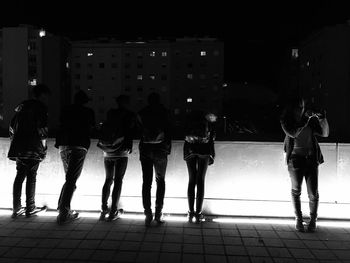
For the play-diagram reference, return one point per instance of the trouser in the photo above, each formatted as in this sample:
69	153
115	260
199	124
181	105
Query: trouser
197	168
159	161
300	167
115	170
73	161
26	169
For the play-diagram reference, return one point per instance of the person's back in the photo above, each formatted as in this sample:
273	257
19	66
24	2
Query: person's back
76	124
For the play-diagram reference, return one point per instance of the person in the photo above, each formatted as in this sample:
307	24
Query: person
28	133
303	155
154	146
116	140
73	142
198	152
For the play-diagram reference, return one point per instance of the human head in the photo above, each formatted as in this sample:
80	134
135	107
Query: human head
153	99
122	101
296	107
81	98
41	92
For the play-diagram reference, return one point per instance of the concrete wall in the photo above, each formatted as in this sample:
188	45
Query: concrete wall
247	178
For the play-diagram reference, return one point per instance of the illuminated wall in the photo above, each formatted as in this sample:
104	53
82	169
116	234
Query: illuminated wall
248	178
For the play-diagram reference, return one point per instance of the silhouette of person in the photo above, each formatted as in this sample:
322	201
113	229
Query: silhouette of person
28	133
155	145
73	142
303	155
116	142
198	153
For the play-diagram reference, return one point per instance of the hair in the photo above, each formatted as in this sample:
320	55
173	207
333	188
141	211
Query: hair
122	99
291	105
81	98
153	98
40	89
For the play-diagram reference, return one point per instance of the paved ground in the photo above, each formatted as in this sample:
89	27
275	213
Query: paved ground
39	239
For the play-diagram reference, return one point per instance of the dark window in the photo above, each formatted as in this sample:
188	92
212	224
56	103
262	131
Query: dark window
164	65
102	65
164	77
77	76
127	77
114	65
139	89
190	65
89	65
77	65
127	65
89	76
77	87
127	88
127	54
139	65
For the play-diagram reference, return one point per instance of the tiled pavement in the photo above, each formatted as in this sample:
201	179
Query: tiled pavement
40	239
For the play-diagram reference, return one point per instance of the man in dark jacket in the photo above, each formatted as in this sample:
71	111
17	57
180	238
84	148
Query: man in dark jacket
73	141
28	133
155	145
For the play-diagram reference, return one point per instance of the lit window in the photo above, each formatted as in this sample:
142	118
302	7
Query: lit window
164	54
224	85
203	53
67	64
89	88
152	77
190	76
90	54
308	63
189	100
32	82
295	53
152	54
42	33
139	77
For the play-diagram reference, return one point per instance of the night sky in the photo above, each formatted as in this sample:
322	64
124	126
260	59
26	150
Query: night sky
256	34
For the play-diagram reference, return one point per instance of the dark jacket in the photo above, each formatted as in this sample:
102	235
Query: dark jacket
155	128
122	124
77	122
28	131
199	136
292	129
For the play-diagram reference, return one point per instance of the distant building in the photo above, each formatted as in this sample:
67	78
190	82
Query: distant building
29	56
324	76
187	73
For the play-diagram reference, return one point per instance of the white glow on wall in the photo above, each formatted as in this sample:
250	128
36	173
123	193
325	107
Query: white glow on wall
42	33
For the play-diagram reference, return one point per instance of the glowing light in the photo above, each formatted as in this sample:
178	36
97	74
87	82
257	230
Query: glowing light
32	82
203	53
189	100
42	33
90	54
224	85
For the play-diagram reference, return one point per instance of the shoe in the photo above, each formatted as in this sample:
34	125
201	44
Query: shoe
115	215
199	218
148	219
18	212
159	218
299	225
190	216
67	218
311	227
35	210
103	215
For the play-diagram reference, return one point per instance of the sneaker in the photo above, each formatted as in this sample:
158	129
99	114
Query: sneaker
103	215
299	225
311	227
18	212
190	216
35	210
67	218
199	218
115	215
159	218
148	219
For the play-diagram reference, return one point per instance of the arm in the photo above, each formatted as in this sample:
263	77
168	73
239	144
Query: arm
323	128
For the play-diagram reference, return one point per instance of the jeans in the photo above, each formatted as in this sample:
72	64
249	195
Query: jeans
26	168
115	170
158	160
300	167
197	168
73	161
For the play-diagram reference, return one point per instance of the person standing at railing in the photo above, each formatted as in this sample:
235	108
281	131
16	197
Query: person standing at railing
73	142
115	140
28	133
199	152
155	146
303	155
